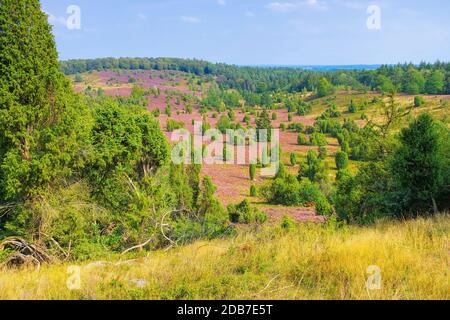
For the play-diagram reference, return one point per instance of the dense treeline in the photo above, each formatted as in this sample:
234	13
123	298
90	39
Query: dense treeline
424	78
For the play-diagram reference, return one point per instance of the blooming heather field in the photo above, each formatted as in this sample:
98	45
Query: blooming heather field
232	181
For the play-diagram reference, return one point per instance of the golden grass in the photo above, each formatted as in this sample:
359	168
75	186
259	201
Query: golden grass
307	262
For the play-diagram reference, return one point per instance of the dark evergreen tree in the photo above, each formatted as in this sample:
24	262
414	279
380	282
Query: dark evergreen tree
40	128
419	163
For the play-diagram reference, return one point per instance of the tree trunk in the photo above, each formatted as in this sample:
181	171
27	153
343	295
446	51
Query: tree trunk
435	208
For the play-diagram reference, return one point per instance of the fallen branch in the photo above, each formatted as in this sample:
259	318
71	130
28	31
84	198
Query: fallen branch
24	253
139	246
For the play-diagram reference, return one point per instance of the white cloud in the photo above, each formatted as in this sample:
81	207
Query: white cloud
249	14
188	19
222	2
294	6
281	7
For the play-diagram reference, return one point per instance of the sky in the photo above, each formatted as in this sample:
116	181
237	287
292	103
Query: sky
255	32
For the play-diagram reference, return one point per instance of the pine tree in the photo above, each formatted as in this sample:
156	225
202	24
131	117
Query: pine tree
293	158
40	131
419	163
263	123
341	159
252	171
435	82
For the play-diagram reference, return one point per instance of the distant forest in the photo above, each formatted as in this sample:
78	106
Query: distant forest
425	78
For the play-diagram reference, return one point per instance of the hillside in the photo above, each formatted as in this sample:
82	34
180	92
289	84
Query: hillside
305	261
179	89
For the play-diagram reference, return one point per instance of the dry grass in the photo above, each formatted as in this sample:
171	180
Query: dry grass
306	262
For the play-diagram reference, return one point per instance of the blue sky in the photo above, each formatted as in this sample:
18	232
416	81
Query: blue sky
304	32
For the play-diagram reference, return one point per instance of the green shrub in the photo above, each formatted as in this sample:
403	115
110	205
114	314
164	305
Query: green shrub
245	213
341	159
314	168
168	110
301	139
323	153
318	139
289	117
252	171
293	159
156	112
287	222
253	191
419	101
173	125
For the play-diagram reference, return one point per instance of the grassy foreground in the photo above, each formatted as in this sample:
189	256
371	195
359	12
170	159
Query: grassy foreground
304	262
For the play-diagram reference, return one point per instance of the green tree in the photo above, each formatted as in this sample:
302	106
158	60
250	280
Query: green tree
252	171
415	82
263	123
341	159
156	112
224	124
418	101
419	163
313	169
301	139
168	110
384	84
42	133
125	142
324	88
253	191
323	153
78	78
435	82
293	158
345	146
208	204
318	139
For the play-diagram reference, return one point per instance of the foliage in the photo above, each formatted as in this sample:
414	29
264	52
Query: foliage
252	171
287	190
245	213
263	123
173	125
341	160
314	168
293	159
253	191
419	163
318	139
324	88
301	139
42	130
418	101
